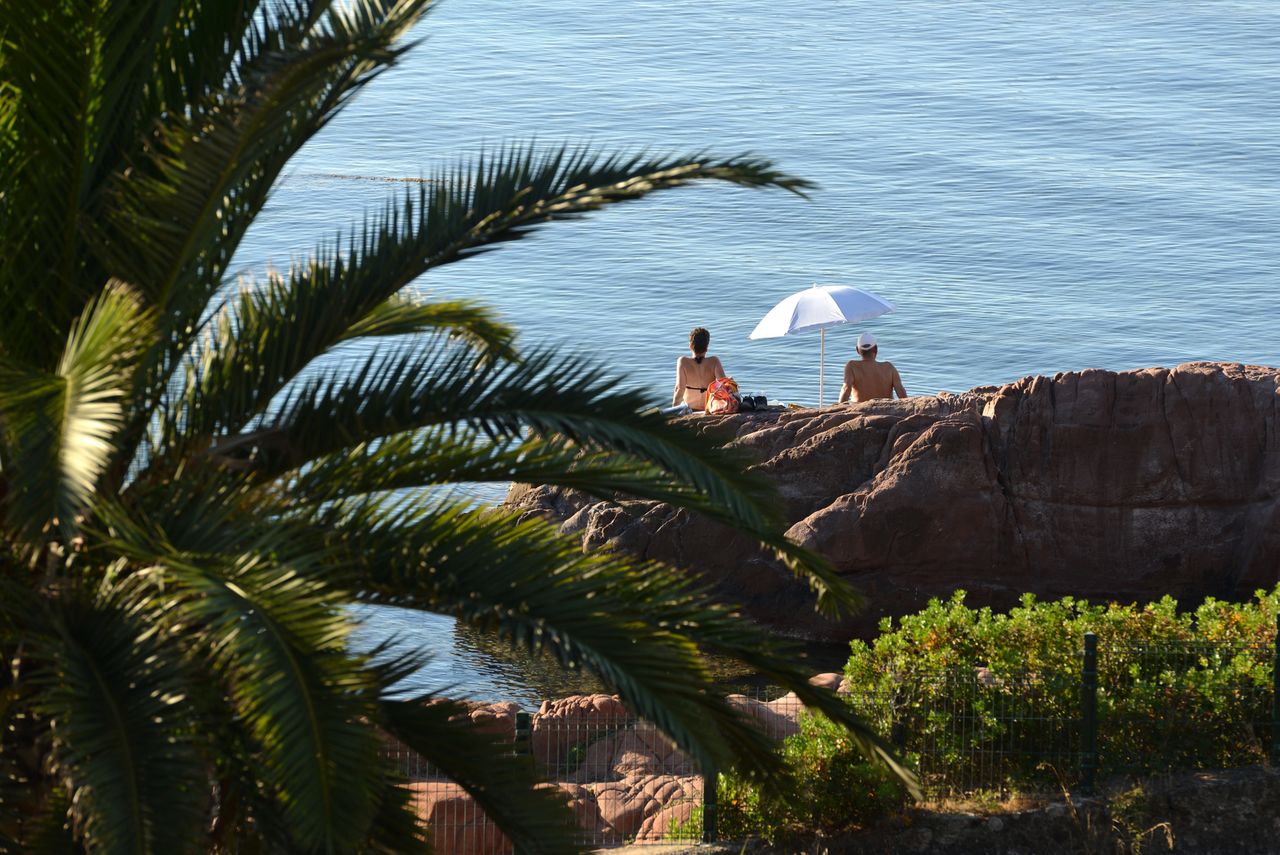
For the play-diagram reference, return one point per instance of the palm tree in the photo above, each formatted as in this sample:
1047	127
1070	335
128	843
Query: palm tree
192	495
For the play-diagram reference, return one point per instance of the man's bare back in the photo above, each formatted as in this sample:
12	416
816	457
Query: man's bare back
865	379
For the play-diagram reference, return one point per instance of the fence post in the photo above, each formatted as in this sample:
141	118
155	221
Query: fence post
1275	698
522	733
710	782
1089	715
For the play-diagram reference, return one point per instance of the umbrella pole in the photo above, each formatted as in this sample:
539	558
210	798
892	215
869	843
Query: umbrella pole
822	363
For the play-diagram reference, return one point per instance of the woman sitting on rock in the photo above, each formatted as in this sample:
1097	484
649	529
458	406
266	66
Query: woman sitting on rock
694	374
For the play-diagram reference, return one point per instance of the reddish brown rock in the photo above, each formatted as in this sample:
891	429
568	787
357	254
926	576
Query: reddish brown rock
639	750
455	822
778	718
830	681
561	730
1103	485
632	807
496	718
622	779
586	810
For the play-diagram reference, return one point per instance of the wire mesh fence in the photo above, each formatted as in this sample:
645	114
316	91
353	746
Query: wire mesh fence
624	780
968	730
1132	708
1181	705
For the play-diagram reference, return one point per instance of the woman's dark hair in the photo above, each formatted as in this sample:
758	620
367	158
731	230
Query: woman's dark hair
699	340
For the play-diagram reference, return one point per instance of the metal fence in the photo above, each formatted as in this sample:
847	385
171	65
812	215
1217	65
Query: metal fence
1131	708
625	781
1123	708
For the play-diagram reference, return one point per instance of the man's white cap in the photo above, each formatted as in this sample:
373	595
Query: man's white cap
866	341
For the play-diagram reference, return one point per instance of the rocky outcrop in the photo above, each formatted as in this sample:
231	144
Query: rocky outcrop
1104	485
455	821
565	723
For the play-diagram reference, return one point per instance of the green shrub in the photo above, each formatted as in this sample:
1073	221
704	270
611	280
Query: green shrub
683	831
988	699
837	788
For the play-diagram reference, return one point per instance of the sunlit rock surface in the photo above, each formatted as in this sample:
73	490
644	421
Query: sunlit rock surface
1104	485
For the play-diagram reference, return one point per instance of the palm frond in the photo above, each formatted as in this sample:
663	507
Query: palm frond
46	62
205	175
551	398
541	592
47	830
504	194
461	319
717	630
35	811
59	428
259	344
202	43
451	216
397	828
637	625
175	219
124	742
269	631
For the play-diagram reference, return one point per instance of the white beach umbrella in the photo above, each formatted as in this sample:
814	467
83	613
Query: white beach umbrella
817	308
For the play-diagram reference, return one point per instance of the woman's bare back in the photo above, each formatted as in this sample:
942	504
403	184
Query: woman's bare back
693	378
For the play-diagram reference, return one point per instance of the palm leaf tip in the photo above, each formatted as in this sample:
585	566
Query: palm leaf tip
750	171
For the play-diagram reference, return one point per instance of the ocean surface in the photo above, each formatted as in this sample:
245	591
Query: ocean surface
1038	187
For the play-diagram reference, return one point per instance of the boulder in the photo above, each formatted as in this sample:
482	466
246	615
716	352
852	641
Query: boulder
586	810
562	730
641	807
639	750
497	718
1104	485
778	718
455	822
830	681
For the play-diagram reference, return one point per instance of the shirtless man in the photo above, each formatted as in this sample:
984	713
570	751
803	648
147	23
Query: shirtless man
867	379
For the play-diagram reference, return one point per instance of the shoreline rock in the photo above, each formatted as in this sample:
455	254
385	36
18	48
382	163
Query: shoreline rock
1102	485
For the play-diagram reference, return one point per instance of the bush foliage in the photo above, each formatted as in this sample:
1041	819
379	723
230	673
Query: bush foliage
990	699
836	788
982	701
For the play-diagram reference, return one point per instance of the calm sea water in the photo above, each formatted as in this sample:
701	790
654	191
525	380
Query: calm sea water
1039	187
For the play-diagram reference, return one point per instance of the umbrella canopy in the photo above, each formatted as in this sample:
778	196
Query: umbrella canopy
817	308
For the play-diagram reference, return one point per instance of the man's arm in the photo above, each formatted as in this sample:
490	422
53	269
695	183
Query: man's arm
847	389
897	384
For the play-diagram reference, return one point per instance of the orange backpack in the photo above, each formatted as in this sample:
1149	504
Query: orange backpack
722	397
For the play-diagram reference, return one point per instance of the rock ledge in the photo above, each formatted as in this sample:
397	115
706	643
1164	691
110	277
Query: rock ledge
1098	484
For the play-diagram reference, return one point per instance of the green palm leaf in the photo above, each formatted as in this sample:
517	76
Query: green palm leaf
338	297
547	595
60	428
596	611
192	495
556	399
270	335
205	175
123	740
279	647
